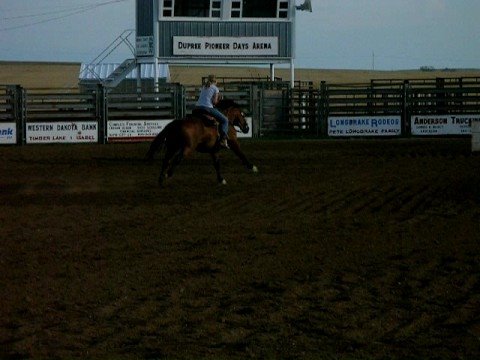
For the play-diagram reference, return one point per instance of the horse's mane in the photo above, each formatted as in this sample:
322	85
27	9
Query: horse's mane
226	103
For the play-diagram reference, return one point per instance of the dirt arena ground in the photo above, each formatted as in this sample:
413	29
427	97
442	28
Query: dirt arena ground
336	249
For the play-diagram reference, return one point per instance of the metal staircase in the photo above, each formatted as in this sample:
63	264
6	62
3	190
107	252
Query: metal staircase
120	73
116	76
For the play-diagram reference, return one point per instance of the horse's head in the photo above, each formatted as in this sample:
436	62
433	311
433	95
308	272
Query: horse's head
234	113
239	120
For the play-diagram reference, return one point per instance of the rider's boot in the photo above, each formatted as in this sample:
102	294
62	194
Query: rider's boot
223	142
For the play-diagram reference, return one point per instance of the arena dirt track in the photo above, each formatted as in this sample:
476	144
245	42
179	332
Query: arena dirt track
336	249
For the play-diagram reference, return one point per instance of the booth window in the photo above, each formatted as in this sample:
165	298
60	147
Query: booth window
259	9
215	8
266	9
167	8
283	9
192	8
236	8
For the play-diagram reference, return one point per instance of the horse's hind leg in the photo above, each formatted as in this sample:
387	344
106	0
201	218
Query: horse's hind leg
176	159
154	146
216	164
168	163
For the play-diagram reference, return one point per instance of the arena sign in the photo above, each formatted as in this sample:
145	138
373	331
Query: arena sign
61	132
8	133
225	46
442	124
365	126
144	45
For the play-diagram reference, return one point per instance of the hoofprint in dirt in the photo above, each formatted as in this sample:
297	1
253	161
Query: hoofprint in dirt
336	249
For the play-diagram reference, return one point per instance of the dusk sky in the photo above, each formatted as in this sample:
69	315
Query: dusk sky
338	34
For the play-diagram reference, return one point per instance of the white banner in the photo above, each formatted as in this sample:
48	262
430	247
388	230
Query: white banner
62	132
8	133
134	130
364	126
225	46
442	124
146	130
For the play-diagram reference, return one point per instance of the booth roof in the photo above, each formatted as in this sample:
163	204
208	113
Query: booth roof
102	71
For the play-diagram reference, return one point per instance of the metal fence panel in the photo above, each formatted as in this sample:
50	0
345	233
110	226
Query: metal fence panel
274	107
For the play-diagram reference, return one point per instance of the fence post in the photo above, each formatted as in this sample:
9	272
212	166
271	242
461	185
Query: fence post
17	95
182	102
441	95
322	111
101	104
405	109
255	109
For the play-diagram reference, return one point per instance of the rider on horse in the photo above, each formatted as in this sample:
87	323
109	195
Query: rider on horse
209	97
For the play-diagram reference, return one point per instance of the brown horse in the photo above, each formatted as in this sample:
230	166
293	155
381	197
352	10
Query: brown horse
199	132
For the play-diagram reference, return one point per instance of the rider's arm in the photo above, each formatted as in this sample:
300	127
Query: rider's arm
216	98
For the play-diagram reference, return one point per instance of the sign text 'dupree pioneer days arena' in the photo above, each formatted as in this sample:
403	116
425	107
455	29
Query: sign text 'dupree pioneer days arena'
223	46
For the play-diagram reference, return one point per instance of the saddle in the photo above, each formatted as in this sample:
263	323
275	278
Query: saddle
204	115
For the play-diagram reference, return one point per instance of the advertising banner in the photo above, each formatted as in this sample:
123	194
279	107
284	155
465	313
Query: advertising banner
61	132
365	126
146	130
134	130
8	133
442	124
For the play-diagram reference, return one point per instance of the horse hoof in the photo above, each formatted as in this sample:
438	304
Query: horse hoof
255	169
162	180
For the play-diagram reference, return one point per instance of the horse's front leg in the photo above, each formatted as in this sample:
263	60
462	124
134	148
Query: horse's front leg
216	164
235	147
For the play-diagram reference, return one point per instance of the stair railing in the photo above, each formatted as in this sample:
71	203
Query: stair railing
122	39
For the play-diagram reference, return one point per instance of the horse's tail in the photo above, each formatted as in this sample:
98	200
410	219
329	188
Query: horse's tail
158	142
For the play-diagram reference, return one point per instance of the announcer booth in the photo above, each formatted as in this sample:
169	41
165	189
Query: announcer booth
217	32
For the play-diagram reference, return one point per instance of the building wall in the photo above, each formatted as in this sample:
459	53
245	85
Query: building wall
145	17
151	24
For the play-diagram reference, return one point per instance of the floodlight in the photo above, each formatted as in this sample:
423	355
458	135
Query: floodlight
307	6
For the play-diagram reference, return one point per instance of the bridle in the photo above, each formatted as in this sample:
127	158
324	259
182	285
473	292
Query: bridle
240	123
